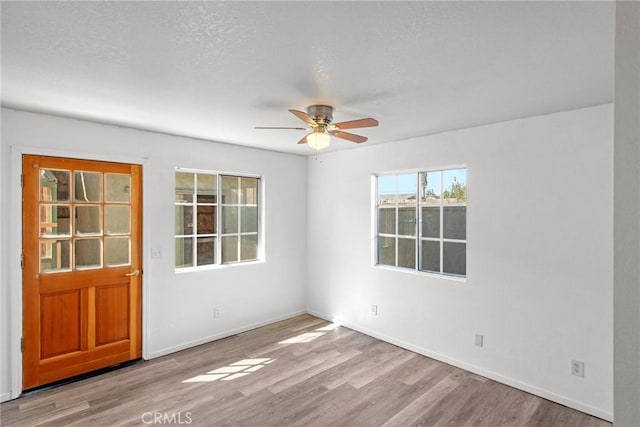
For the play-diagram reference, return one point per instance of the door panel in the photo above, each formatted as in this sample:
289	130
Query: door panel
82	258
60	334
112	316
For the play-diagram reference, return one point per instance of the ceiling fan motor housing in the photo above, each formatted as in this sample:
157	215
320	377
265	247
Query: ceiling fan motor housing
321	114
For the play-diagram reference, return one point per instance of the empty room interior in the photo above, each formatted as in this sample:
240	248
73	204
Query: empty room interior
320	213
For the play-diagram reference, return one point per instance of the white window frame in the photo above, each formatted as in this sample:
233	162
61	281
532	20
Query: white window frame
419	223
218	261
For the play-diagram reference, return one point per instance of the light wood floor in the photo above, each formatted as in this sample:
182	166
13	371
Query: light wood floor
298	372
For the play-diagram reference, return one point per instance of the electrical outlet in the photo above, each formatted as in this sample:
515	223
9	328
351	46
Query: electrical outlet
374	309
479	340
577	368
216	312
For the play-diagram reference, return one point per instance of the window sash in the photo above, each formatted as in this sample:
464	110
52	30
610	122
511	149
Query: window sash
391	203
218	234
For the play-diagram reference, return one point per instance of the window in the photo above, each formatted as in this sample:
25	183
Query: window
421	221
211	229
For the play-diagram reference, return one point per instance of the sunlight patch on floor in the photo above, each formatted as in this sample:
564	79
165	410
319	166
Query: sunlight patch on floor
232	371
329	327
310	336
306	337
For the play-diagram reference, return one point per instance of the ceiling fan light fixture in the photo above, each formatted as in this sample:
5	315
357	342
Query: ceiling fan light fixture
318	140
319	120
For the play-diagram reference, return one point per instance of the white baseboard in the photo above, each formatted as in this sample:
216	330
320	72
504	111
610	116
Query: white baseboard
220	335
5	396
546	394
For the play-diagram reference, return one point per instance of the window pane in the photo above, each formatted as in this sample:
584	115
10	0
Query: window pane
407	221
230	249
249	191
55	255
206	250
117	219
407	189
206	219
454	222
249	215
54	185
407	253
184	220
54	220
248	248
88	187
431	187
229	219
387	190
430	256
117	187
88	253
454	258
184	187
387	250
88	220
230	190
431	222
207	188
184	252
455	186
117	251
387	220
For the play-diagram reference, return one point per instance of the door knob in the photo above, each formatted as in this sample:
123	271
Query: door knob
134	273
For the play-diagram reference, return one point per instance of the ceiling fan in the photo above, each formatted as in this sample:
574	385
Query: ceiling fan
320	129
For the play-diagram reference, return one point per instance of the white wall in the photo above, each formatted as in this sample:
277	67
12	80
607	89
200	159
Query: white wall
178	308
540	227
539	271
627	216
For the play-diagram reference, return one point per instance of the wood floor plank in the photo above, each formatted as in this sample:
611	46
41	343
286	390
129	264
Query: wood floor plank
303	371
313	371
421	405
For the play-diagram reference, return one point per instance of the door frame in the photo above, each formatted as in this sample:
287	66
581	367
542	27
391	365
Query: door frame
15	241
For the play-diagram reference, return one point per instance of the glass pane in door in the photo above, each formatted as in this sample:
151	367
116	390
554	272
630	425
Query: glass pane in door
54	185
117	187
54	220
88	220
88	187
55	255
117	219
117	251
88	253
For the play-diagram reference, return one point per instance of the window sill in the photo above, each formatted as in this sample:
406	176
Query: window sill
421	273
217	266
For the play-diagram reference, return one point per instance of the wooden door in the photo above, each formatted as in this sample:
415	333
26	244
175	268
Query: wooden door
82	234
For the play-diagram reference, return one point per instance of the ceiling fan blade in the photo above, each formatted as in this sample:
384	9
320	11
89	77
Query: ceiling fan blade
278	127
303	140
360	123
349	136
303	116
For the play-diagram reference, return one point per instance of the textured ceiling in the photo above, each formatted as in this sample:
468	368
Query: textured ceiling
214	70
